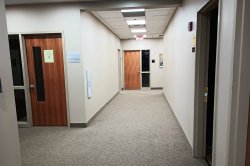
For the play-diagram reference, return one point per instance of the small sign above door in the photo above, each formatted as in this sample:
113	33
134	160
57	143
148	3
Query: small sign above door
48	56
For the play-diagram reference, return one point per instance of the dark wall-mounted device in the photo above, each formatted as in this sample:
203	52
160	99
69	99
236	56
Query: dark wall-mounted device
190	26
153	61
1	90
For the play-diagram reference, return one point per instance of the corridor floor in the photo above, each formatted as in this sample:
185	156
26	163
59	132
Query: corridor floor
136	128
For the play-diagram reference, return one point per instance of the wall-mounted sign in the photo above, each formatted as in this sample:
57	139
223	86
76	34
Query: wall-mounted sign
161	61
48	56
193	41
73	57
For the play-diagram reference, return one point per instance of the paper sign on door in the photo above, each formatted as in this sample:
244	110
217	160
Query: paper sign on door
48	56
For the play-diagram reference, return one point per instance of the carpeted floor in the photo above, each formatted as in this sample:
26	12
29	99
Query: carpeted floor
137	128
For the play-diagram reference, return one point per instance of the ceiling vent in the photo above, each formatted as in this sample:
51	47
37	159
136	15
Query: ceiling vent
134	14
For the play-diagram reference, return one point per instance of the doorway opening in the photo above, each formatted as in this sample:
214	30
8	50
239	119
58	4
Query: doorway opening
18	78
145	68
211	83
207	26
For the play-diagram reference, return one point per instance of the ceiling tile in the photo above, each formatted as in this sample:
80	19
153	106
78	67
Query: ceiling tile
156	21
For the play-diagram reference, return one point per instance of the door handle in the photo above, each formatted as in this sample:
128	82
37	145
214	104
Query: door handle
32	86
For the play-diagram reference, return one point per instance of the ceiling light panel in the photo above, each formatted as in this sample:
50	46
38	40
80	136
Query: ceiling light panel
132	10
138	30
136	22
156	21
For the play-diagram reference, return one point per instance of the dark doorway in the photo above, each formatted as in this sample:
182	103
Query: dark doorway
17	74
211	82
145	63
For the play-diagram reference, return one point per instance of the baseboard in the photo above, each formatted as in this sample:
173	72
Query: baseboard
156	88
190	147
98	112
78	125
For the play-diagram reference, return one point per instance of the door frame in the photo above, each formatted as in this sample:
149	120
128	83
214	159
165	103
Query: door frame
119	51
123	68
241	91
201	67
141	88
29	122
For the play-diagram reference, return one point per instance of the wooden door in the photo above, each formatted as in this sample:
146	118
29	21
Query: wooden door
46	77
132	70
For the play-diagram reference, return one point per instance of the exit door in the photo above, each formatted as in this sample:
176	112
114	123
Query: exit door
46	77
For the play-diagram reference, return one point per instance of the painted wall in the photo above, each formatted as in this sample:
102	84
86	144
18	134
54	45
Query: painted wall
56	18
156	47
9	140
100	54
179	75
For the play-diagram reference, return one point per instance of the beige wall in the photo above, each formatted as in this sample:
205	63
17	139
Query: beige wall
9	140
179	74
56	18
82	33
156	47
230	122
100	55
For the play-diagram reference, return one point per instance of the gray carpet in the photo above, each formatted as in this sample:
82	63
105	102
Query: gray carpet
137	128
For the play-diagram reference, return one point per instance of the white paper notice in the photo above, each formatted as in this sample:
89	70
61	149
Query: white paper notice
89	83
48	56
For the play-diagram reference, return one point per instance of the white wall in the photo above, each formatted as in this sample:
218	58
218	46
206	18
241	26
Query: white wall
156	47
100	54
9	140
56	18
179	60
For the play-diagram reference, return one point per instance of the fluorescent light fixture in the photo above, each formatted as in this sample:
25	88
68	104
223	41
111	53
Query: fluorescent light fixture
132	10
138	30
136	22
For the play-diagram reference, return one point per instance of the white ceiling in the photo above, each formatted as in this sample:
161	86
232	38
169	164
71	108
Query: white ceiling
156	22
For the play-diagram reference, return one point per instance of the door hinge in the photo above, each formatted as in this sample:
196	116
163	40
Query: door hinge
205	94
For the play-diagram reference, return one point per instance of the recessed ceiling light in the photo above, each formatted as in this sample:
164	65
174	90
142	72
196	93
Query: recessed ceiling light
136	22
132	10
138	30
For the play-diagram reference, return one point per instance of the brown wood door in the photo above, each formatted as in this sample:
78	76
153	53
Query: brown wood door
132	70
46	77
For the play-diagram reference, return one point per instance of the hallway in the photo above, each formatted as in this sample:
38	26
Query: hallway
135	128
